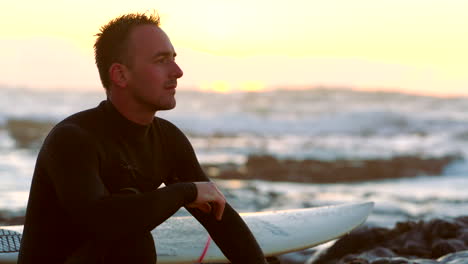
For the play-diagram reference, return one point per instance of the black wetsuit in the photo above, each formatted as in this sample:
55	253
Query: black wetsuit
95	196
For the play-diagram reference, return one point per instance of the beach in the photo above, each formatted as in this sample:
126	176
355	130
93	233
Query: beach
287	149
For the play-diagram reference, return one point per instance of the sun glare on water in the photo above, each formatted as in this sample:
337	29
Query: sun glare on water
252	86
221	86
216	86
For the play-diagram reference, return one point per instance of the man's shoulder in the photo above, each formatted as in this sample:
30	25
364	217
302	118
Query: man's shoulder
164	123
168	128
84	117
84	121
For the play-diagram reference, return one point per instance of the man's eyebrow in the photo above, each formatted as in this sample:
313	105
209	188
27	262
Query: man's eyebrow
164	54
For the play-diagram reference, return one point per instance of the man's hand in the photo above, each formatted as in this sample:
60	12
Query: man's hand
209	199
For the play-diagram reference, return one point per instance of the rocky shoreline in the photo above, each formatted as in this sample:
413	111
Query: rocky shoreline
424	242
11	218
30	133
270	168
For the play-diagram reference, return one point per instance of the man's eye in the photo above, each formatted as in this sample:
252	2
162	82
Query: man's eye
165	60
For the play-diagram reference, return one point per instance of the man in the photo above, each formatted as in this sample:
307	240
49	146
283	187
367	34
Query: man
94	195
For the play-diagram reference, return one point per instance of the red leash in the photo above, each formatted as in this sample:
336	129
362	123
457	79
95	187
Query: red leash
207	245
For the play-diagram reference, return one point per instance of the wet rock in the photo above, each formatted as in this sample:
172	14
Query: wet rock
272	260
395	260
360	240
28	133
463	236
11	218
353	260
455	258
379	252
399	260
462	220
409	239
297	257
441	228
408	242
443	247
266	167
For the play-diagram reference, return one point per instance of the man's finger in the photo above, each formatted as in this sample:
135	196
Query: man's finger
206	207
219	209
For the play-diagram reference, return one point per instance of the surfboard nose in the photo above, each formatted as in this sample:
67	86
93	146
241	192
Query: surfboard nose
367	207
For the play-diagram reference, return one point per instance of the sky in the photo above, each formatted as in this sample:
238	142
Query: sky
414	46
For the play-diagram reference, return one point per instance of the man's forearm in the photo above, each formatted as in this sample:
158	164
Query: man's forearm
232	236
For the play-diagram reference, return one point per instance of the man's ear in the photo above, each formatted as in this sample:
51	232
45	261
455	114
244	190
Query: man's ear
118	74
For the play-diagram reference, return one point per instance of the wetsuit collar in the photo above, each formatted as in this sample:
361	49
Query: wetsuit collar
123	126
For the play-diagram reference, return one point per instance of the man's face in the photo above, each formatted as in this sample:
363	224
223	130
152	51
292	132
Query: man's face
152	70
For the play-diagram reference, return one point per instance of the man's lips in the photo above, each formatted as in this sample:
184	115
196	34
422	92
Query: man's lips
171	85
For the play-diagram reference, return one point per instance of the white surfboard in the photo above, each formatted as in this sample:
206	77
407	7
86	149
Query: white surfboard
183	240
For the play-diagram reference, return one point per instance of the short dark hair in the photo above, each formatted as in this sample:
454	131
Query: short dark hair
111	43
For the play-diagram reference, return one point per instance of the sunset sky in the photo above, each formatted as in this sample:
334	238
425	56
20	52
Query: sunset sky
417	46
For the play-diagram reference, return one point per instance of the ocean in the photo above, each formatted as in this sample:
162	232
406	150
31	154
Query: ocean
319	124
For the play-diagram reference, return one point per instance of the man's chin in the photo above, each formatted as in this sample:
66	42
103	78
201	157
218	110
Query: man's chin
166	107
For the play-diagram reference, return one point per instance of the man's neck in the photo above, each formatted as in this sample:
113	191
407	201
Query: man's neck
132	111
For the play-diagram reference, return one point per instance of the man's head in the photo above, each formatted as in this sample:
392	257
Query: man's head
135	58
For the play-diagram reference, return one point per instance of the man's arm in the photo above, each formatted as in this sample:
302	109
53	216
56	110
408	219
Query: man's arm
232	236
72	162
230	233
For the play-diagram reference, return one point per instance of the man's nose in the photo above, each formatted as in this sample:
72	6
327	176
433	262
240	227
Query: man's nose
177	71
